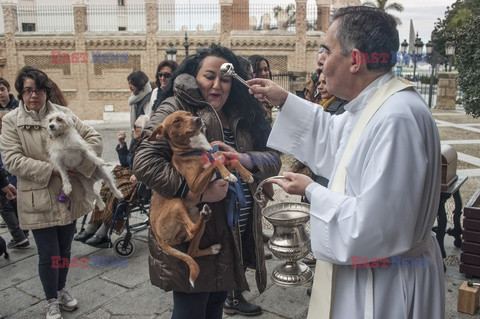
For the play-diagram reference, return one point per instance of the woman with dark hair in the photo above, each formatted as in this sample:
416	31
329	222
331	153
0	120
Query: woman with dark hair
164	72
261	66
236	123
50	217
140	99
261	69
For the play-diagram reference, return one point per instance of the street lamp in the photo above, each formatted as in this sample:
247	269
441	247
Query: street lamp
171	52
186	44
404	46
450	51
432	61
418	51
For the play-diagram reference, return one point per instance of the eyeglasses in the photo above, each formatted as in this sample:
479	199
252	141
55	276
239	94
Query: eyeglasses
136	126
30	91
165	75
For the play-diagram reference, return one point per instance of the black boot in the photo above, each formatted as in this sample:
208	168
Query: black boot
236	303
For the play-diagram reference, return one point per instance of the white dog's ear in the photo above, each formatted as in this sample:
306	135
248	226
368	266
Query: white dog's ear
157	133
70	120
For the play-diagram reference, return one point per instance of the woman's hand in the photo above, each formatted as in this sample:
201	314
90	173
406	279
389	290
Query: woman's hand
293	183
215	191
121	136
10	191
230	154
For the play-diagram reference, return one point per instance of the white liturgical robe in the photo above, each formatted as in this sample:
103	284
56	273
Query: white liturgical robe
392	193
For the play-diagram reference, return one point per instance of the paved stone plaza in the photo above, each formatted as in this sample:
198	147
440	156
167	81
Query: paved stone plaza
127	293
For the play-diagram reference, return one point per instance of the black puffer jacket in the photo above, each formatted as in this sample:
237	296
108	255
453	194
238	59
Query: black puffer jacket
152	165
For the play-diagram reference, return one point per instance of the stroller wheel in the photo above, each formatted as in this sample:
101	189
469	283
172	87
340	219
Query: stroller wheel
123	248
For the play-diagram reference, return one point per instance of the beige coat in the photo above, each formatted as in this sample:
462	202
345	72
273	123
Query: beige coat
23	146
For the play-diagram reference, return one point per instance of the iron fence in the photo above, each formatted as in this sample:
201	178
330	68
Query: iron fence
106	17
45	18
194	15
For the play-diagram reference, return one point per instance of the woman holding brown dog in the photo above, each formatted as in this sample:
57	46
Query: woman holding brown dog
41	209
236	123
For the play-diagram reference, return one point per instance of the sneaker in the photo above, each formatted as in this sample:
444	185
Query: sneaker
52	309
67	302
22	244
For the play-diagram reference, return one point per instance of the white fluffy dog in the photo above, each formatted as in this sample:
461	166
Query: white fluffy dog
67	149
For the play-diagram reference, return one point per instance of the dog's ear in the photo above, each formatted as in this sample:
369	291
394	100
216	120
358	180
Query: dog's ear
69	120
157	133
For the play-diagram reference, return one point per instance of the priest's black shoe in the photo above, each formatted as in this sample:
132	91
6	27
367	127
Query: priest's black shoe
236	303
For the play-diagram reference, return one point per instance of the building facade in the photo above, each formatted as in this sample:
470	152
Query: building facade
89	49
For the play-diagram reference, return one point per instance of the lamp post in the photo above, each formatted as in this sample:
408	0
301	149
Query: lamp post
418	51
404	46
171	52
450	51
432	61
186	44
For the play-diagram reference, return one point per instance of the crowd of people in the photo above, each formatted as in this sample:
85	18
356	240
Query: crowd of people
365	136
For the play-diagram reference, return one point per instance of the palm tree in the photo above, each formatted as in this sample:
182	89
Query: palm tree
385	6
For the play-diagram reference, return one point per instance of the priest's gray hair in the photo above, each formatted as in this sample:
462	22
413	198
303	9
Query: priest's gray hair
370	30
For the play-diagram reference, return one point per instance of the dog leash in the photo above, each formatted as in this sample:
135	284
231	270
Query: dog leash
237	201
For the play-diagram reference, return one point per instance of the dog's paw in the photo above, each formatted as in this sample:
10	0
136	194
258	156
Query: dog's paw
216	248
100	204
231	178
206	212
67	188
249	180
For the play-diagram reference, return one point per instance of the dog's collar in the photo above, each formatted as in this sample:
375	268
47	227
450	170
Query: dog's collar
202	152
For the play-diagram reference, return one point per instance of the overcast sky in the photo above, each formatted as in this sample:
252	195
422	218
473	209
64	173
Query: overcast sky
423	13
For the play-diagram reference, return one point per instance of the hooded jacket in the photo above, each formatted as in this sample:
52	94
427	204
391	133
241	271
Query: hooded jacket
152	165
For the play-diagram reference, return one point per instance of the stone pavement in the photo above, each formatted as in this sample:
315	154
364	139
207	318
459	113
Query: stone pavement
127	292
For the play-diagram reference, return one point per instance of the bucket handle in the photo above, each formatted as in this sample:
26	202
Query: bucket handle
259	195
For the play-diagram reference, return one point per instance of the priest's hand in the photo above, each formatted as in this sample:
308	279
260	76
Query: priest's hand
264	89
293	183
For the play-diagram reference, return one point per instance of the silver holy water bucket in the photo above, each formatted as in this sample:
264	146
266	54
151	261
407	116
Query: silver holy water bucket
290	241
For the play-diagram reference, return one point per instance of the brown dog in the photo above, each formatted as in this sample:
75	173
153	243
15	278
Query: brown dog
174	221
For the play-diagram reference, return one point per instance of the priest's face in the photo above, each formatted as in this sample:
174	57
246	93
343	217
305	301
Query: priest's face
335	66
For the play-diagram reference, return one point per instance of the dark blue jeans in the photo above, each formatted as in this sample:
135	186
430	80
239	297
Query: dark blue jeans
53	242
200	305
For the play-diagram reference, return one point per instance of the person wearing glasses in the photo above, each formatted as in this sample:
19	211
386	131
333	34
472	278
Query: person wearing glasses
165	71
40	209
140	99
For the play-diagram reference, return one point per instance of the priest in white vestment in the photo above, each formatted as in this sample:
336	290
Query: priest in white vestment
392	177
